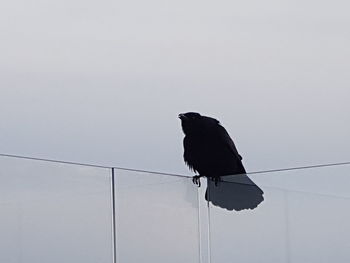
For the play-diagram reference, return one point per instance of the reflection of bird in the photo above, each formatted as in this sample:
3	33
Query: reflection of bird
209	150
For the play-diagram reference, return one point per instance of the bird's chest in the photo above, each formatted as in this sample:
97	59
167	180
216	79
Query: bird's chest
202	148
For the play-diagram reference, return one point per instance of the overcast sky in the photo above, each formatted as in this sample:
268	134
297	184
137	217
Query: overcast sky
103	81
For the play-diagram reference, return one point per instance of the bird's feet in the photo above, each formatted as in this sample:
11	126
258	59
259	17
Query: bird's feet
197	180
216	180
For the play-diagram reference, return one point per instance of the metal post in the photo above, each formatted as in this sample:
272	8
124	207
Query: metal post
114	233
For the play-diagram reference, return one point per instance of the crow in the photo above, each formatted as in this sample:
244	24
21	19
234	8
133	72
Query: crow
210	151
208	148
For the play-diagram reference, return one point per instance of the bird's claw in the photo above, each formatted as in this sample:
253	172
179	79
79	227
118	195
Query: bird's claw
197	180
216	180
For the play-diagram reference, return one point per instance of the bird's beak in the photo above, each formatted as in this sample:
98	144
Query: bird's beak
182	116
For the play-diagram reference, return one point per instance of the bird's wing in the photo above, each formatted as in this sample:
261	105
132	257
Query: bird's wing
222	135
226	139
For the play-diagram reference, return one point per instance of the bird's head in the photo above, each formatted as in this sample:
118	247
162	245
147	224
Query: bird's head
189	116
194	123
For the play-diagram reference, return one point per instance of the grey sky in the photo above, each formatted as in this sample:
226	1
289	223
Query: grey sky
103	82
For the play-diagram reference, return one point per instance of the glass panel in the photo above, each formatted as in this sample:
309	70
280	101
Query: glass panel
304	217
157	218
53	212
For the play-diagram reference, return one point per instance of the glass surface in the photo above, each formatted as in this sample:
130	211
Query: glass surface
157	218
53	212
303	217
56	212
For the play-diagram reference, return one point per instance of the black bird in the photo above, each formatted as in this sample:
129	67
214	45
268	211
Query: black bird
210	151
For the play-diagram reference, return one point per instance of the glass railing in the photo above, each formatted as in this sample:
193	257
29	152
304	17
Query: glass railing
61	212
54	212
304	217
157	218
